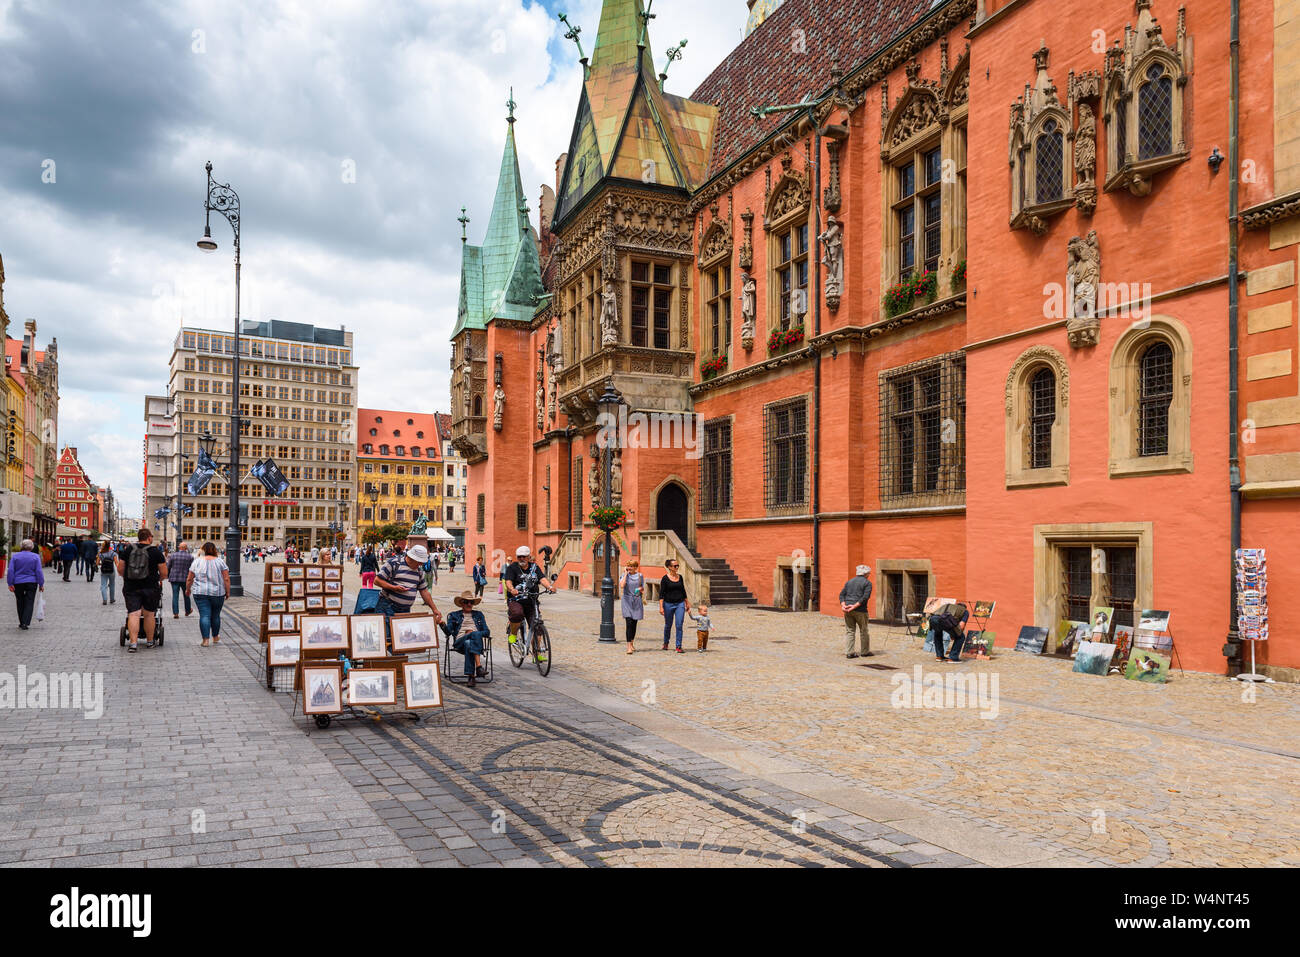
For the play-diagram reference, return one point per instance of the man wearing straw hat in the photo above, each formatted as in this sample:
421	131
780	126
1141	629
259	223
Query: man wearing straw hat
472	642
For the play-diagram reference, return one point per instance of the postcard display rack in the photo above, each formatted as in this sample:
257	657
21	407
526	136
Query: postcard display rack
351	671
287	593
1252	603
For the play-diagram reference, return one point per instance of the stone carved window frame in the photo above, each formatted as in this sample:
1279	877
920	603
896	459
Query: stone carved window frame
1018	472
951	107
776	223
1124	393
1026	210
1126	68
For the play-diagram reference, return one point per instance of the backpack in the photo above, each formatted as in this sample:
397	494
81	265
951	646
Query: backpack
106	563
137	563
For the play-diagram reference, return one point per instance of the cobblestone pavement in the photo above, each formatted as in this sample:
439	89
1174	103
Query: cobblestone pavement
771	749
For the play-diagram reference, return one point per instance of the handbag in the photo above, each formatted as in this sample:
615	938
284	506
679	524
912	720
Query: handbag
40	606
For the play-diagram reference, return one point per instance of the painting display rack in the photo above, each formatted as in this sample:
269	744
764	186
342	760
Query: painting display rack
355	712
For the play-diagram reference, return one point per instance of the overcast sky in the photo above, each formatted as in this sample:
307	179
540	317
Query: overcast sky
121	103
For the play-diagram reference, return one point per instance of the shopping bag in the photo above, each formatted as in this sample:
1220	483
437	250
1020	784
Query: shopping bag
40	606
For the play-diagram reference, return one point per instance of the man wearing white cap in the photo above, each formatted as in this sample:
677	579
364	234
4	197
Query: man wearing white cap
402	581
523	578
853	602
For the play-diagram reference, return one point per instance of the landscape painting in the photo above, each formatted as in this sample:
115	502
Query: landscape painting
282	650
1093	657
423	685
1031	639
1154	620
322	633
368	636
414	633
372	687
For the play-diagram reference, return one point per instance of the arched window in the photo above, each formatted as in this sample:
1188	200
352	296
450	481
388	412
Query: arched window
478	405
1049	163
1038	419
1156	112
1151	399
1042	415
1155	394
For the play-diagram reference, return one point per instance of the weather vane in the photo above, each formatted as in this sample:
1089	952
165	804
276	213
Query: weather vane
510	105
646	16
573	35
464	222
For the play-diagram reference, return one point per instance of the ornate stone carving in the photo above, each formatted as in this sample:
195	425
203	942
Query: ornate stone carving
1083	281
832	241
1034	355
790	196
498	408
748	309
593	474
616	478
747	247
1037	119
831	195
1085	161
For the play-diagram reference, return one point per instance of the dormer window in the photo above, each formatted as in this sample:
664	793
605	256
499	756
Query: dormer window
401	450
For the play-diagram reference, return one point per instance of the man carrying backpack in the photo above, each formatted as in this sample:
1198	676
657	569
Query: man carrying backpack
142	567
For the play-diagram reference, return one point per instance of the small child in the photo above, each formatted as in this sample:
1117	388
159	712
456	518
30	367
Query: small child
702	626
471	643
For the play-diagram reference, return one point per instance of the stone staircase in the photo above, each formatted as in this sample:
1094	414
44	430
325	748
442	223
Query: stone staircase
725	587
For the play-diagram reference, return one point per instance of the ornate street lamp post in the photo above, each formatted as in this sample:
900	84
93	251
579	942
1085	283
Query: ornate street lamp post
224	200
608	404
373	494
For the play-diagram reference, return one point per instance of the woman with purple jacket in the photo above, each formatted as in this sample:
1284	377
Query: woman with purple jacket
25	578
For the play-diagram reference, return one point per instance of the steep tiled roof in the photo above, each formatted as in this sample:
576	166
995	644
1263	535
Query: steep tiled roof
14	353
444	425
765	69
398	428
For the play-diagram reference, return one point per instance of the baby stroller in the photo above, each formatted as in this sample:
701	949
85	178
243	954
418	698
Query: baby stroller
124	636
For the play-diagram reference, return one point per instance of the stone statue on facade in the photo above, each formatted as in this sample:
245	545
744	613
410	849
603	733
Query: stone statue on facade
541	408
467	384
748	309
1085	160
609	316
616	479
498	408
1083	282
832	241
593	476
554	395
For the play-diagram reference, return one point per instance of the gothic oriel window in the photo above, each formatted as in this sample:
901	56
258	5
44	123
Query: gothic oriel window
1049	163
1156	112
1041	152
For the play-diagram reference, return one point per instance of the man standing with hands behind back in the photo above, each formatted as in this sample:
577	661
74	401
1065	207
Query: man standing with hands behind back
853	602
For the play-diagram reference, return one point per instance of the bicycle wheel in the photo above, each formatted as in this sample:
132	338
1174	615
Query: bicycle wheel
518	648
542	650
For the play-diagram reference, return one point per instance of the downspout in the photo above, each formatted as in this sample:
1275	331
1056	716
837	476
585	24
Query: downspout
814	586
1232	650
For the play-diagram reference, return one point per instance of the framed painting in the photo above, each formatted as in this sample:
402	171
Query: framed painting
272	622
322	688
368	636
276	605
315	602
288	622
372	686
282	650
296	572
323	633
333	587
422	684
315	588
333	572
296	589
279	591
297	604
334	602
315	571
413	633
277	573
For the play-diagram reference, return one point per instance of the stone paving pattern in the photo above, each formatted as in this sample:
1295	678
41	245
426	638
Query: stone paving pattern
769	750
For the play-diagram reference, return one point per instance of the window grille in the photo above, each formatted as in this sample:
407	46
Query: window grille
1120	589
894	593
1155	394
919	591
923	433
715	467
1076	564
1155	114
1049	162
521	517
1042	415
578	487
785	453
481	513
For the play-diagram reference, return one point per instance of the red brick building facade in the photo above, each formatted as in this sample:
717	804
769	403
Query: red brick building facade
965	314
79	503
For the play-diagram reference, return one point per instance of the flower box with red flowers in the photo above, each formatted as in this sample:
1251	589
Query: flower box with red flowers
911	291
781	339
711	367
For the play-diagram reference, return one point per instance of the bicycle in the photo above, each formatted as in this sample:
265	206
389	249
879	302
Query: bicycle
535	636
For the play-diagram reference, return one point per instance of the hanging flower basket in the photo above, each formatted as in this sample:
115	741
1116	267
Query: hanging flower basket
608	519
911	291
711	367
782	339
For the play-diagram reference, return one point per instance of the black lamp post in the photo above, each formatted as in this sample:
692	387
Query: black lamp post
224	200
373	494
608	403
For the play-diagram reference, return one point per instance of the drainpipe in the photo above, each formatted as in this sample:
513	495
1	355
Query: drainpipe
1232	650
814	585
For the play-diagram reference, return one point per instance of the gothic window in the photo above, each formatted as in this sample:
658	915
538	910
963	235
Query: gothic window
718	310
1042	415
1151	400
1155	112
918	211
923	427
786	453
715	467
1049	163
791	275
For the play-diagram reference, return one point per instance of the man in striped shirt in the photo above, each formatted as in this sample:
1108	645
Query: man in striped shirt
402	581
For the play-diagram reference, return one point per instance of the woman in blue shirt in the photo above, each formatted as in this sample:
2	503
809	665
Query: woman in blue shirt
25	577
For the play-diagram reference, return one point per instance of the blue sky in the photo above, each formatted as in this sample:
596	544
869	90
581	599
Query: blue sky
127	100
